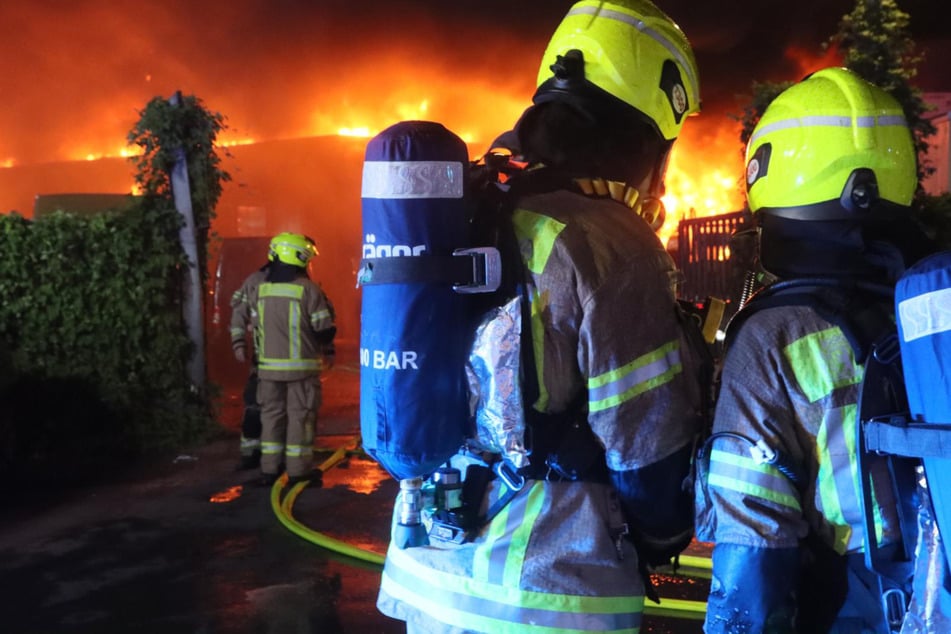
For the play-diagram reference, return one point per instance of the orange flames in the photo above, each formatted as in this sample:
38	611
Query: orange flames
701	178
704	177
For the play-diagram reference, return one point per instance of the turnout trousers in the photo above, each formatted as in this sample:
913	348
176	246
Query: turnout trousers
288	421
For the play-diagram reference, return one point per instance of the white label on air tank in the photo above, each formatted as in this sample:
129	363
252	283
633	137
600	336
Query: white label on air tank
412	179
926	314
388	359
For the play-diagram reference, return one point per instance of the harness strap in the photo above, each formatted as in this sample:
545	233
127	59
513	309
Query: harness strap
476	270
896	435
857	309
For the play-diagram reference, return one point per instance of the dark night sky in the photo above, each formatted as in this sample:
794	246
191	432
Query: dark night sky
74	73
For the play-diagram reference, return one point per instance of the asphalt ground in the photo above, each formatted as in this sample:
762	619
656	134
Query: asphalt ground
187	544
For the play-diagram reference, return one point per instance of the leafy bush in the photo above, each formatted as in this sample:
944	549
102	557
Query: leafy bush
93	349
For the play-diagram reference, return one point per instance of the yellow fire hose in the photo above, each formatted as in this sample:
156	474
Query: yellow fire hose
283	509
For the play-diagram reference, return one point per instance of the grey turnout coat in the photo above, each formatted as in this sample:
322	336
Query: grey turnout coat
604	331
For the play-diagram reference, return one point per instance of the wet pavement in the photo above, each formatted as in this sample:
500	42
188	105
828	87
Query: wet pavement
187	544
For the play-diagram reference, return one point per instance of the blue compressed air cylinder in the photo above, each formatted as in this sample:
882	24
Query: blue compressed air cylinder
923	311
413	394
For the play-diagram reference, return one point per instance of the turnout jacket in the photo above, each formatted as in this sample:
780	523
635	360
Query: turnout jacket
605	332
292	322
791	379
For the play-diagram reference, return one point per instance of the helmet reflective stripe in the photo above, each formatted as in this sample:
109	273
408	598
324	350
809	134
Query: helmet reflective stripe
632	52
675	52
292	248
830	120
412	179
824	144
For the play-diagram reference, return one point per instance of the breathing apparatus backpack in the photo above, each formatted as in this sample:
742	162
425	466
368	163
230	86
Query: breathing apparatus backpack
430	285
923	430
417	273
442	277
904	407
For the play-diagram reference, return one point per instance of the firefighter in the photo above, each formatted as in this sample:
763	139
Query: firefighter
831	171
293	325
613	411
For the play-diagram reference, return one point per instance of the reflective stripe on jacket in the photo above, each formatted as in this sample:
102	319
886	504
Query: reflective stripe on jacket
286	317
604	332
791	379
243	311
548	562
603	325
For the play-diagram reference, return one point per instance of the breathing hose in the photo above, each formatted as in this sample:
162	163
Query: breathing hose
283	509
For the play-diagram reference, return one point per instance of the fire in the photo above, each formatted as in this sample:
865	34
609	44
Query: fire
228	495
704	177
701	177
809	61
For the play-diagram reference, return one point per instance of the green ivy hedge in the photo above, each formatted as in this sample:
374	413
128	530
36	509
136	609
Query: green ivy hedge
95	302
93	349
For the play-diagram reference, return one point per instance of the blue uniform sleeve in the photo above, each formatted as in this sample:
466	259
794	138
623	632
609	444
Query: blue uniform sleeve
752	590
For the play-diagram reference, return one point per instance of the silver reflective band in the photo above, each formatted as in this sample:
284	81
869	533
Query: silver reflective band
658	37
926	314
412	179
835	121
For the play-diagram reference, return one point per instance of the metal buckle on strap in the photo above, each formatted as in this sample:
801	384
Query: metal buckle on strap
486	270
887	350
895	604
507	474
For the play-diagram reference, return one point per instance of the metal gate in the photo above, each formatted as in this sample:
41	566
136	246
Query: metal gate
703	255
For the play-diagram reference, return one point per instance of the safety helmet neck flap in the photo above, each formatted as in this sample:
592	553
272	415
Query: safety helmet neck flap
831	171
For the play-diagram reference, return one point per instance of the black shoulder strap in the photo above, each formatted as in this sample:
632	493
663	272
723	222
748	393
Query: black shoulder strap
857	308
561	446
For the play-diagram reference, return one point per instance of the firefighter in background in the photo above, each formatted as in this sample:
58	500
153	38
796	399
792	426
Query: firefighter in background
615	413
831	171
293	331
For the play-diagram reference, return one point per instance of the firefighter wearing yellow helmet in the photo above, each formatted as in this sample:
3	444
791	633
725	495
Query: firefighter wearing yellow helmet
567	525
831	172
292	323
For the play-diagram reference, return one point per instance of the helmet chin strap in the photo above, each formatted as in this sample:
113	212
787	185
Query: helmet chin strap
649	208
